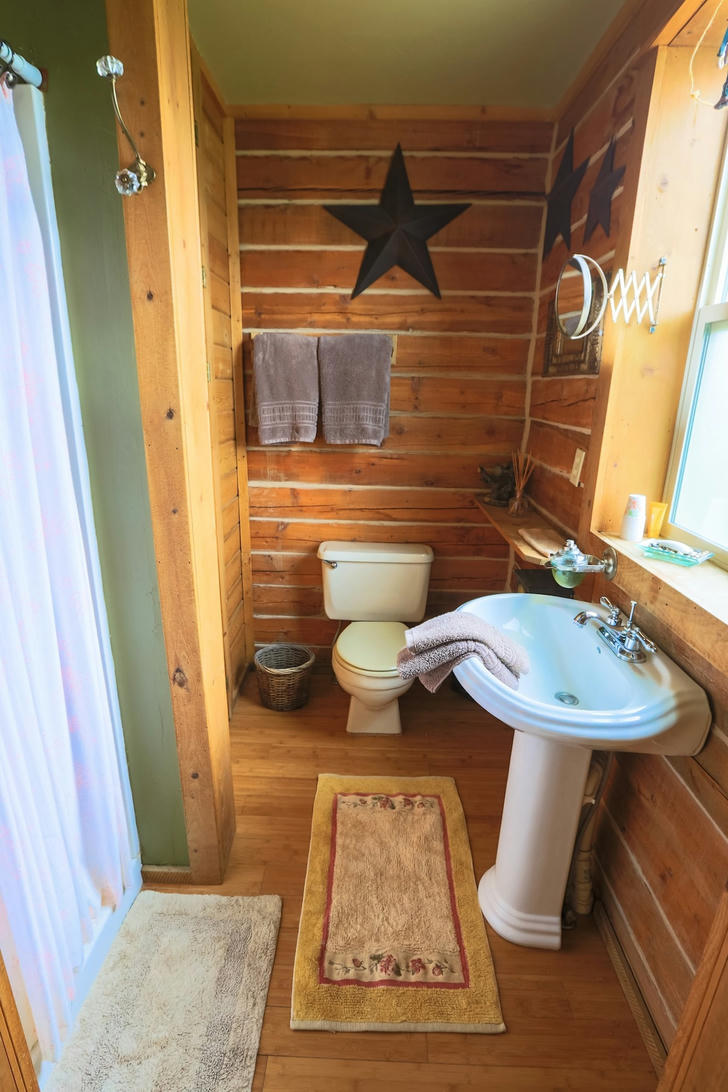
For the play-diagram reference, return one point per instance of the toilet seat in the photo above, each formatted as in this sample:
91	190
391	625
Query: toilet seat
370	648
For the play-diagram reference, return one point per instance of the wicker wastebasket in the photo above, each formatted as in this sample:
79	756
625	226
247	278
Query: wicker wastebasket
284	673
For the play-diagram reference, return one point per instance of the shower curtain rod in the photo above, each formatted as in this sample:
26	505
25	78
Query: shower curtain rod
21	69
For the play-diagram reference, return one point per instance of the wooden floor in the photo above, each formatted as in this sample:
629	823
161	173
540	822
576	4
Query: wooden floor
568	1023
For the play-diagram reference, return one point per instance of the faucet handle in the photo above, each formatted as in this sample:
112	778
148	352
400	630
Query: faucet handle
614	612
645	641
633	635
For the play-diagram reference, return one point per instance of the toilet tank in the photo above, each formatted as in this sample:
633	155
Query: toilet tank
375	581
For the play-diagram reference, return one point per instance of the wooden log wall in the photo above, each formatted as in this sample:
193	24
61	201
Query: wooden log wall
460	364
662	834
561	410
662	839
214	135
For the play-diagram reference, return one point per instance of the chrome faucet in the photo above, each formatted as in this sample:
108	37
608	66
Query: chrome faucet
626	641
612	618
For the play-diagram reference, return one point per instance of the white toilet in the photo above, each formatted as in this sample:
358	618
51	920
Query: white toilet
372	584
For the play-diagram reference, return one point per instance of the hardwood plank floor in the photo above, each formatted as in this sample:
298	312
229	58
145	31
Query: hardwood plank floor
569	1026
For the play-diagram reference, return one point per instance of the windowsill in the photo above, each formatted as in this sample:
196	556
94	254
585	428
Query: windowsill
705	586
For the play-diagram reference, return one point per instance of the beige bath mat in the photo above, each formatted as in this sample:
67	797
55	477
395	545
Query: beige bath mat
391	935
178	1004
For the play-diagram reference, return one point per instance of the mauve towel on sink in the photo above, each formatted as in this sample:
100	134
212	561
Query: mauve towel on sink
438	645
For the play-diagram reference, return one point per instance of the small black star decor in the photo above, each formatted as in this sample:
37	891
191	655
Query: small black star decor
602	192
558	201
396	230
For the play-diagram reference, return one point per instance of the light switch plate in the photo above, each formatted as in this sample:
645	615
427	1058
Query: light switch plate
579	456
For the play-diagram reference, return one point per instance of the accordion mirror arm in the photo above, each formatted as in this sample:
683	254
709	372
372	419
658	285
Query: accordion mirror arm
583	291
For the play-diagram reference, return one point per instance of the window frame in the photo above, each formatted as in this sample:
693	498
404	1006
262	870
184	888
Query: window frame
712	307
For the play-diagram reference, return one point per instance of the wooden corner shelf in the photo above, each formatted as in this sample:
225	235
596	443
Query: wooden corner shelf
509	527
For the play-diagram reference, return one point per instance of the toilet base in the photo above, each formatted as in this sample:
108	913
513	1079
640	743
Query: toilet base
364	721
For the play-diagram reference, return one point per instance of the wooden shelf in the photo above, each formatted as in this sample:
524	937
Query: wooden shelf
509	526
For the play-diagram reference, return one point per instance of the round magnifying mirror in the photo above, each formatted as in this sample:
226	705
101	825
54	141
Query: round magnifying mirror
581	296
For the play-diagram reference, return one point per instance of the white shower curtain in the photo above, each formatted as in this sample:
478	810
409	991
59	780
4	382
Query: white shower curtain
68	845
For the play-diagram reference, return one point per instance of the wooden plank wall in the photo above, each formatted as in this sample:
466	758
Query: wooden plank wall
662	845
662	835
223	355
460	364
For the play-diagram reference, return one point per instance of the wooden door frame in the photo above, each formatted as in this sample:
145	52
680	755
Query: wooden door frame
151	37
15	1061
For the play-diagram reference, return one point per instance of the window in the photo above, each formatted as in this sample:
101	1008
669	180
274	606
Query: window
697	481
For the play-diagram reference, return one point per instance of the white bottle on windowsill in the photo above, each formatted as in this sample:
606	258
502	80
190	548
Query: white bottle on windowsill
633	521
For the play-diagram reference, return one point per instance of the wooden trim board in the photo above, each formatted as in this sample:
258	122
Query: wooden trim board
154	875
698	1059
386	112
163	246
635	1000
16	1067
202	166
236	330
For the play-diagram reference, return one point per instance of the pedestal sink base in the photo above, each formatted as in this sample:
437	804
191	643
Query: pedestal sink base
576	696
530	930
522	895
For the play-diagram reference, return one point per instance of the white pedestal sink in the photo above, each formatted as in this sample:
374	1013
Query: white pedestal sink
577	696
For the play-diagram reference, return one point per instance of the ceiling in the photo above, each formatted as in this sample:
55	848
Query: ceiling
508	53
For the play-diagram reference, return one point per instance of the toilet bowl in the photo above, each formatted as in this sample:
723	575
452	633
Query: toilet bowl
372	585
364	660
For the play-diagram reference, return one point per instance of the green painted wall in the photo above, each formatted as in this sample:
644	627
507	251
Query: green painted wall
67	38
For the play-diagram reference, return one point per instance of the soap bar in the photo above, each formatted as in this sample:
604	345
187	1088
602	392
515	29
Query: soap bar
669	549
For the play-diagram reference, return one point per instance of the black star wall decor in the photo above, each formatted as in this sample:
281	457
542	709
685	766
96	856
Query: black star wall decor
396	230
558	201
602	192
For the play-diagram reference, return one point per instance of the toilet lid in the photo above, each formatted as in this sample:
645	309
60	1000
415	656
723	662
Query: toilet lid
372	646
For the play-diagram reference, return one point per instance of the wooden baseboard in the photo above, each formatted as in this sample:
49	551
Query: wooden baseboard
161	874
628	982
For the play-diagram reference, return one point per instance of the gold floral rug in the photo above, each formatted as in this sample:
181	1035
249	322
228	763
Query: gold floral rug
391	935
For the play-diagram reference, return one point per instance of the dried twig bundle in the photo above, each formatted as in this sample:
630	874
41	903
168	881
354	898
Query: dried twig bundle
523	467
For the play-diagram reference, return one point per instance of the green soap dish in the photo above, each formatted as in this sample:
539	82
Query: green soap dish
668	549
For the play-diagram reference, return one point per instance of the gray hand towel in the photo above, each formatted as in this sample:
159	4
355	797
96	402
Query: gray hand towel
355	372
441	643
286	387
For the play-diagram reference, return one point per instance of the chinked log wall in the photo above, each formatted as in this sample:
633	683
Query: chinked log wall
460	364
662	838
562	408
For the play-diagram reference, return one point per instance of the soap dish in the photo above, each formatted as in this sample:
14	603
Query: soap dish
669	549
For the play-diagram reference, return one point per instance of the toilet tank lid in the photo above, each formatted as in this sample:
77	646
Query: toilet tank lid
402	553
